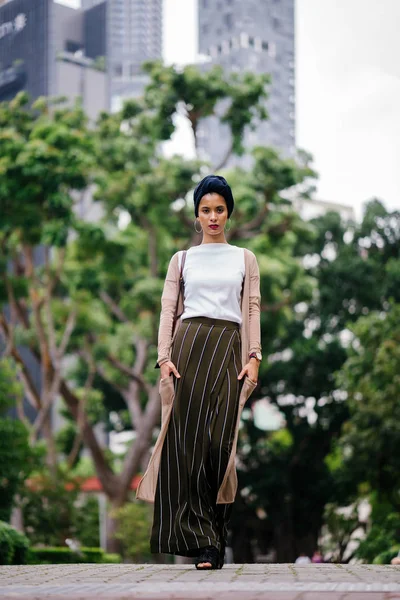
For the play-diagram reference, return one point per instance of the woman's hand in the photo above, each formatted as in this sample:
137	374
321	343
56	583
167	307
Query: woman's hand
167	368
251	370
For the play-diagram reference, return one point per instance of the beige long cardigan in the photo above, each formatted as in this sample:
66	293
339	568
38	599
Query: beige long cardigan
250	335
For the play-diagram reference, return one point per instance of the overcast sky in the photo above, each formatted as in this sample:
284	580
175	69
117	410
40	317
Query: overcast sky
347	91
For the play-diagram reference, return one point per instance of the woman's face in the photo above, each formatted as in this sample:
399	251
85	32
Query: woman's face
213	214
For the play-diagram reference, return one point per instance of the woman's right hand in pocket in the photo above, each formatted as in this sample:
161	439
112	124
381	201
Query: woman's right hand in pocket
167	368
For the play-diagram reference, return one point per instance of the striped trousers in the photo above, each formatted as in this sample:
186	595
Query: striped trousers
195	454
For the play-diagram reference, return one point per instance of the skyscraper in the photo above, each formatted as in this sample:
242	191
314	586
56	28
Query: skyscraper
42	52
256	36
134	34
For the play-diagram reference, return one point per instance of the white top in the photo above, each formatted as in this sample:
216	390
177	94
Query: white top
213	275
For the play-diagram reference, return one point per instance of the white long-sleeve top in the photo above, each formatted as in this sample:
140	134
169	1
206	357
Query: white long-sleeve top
213	275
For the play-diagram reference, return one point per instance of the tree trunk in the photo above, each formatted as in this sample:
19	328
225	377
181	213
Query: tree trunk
112	543
51	455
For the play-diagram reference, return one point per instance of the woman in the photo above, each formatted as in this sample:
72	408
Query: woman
209	367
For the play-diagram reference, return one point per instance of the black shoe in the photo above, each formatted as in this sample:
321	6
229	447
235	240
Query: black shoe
210	555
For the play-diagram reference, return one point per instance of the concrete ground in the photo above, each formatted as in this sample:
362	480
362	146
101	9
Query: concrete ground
233	582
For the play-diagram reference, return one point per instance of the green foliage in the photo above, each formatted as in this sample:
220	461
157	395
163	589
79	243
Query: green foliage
16	457
133	530
45	153
58	556
86	522
14	546
53	511
201	92
350	269
384	558
382	541
10	388
113	270
340	526
370	376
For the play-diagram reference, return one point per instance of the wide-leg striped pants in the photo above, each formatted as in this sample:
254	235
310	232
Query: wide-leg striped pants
198	443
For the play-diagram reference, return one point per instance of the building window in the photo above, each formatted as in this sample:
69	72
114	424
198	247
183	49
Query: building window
204	29
228	20
118	70
272	49
251	42
71	46
244	40
265	46
205	3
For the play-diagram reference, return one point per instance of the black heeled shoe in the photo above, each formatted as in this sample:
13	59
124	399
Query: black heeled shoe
209	555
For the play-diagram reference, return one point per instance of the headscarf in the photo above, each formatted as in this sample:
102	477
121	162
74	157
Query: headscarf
210	184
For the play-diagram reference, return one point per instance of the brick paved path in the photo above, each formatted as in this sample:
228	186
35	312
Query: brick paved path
233	582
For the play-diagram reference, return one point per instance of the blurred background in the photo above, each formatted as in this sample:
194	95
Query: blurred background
110	112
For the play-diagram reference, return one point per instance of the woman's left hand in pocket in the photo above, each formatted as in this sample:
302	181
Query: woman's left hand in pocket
251	370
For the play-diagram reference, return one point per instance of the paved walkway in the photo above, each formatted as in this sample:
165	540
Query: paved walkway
233	582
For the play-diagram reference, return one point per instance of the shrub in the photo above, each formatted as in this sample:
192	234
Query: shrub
55	555
384	558
133	530
382	536
6	546
14	546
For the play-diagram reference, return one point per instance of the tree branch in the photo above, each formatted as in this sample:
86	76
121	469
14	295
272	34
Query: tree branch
255	223
81	415
53	280
113	306
136	451
109	480
132	373
100	370
58	354
31	391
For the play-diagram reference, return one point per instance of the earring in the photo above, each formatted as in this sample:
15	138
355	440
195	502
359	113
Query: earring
230	225
195	221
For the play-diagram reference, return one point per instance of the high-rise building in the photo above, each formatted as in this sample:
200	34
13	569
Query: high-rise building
256	36
42	51
134	35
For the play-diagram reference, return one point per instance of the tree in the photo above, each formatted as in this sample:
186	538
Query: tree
45	154
95	299
370	377
292	478
16	457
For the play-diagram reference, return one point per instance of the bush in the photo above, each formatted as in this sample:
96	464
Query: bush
111	558
385	557
133	530
14	546
57	556
6	546
54	510
383	535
